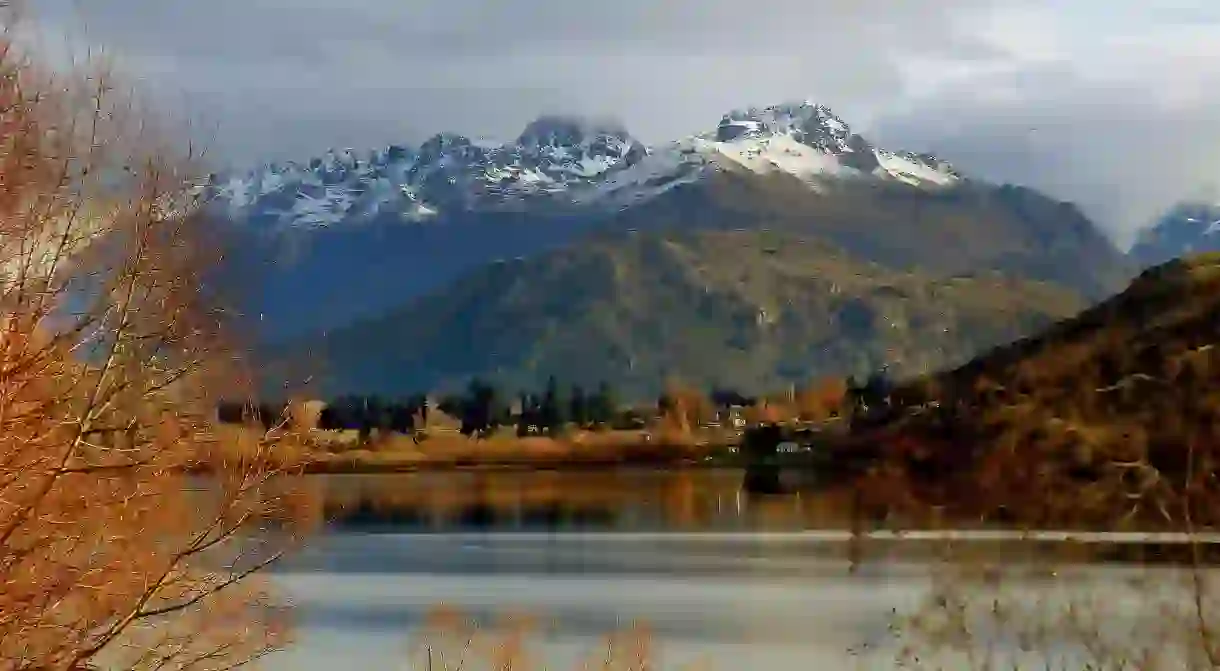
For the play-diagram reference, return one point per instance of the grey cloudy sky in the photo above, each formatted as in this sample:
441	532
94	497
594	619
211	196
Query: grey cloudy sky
1113	104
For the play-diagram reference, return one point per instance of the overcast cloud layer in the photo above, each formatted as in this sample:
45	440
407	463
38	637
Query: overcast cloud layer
1115	104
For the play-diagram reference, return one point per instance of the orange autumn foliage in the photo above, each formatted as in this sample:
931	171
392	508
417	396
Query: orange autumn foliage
822	399
107	346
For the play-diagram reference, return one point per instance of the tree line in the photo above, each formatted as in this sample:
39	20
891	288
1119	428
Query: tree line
345	413
483	408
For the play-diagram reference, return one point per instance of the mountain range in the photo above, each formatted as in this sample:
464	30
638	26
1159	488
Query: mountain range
357	234
560	161
1187	228
576	250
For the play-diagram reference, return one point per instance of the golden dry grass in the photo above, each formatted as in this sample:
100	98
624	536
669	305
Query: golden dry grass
340	451
1115	414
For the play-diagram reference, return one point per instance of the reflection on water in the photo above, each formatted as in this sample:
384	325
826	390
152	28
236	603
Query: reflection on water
656	501
605	500
744	601
760	586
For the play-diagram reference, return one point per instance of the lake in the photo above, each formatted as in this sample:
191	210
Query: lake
718	577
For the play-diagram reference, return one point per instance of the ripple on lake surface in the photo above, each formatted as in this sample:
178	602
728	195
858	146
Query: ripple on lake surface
765	583
740	601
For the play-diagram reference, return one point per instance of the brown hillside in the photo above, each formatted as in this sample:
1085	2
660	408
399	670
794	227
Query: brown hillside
1105	419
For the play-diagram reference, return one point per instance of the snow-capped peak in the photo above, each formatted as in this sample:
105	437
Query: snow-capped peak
804	140
570	158
558	130
807	123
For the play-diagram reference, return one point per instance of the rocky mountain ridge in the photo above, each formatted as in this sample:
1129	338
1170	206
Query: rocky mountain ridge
560	161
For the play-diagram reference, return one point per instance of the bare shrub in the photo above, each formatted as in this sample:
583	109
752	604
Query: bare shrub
1061	615
1105	423
112	352
764	412
822	399
451	640
688	408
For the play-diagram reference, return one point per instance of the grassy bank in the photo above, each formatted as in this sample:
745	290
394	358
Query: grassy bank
342	452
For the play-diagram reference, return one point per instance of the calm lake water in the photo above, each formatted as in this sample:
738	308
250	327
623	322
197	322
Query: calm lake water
717	576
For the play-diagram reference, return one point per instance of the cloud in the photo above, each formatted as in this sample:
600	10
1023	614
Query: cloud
283	77
1121	153
1109	104
1121	116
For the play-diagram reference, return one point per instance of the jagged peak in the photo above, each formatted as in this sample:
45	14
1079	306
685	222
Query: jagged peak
930	160
807	122
570	130
396	152
445	140
590	159
789	115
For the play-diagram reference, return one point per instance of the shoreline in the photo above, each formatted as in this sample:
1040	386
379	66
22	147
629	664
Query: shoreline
375	467
504	459
325	452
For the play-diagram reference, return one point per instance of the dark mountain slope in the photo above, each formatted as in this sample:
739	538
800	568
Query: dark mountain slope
975	226
750	309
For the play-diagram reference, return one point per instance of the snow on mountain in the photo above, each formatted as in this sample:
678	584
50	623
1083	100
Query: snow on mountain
1186	228
566	160
804	140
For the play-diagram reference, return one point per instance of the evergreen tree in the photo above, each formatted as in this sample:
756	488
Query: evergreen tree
482	409
419	406
453	405
553	411
578	407
378	413
401	416
603	406
365	410
528	416
468	410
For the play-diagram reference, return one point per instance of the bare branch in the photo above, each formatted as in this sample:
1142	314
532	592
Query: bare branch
109	352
